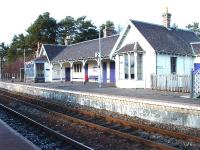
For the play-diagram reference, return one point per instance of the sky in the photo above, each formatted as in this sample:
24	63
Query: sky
17	15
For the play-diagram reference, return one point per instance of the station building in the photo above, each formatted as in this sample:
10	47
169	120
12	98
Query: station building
128	60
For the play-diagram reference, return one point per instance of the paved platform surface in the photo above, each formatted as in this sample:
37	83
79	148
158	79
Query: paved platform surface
11	140
147	94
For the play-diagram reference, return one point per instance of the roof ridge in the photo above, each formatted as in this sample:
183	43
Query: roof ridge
93	40
147	23
82	41
55	44
195	43
171	28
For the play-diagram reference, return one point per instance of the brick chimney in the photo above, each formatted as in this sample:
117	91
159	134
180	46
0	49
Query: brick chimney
107	32
67	40
166	18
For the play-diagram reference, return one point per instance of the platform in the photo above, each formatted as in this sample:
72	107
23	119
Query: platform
160	106
11	140
109	89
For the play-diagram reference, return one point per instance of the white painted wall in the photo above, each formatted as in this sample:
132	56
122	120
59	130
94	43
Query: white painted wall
56	72
92	69
184	64
47	72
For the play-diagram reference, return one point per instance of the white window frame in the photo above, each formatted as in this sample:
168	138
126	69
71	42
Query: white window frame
77	68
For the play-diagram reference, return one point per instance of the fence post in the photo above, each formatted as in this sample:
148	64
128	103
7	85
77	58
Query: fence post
166	83
192	84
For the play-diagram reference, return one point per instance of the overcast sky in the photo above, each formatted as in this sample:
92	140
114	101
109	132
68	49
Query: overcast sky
17	15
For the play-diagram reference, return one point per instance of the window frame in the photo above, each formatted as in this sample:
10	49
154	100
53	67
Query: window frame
139	66
78	68
173	65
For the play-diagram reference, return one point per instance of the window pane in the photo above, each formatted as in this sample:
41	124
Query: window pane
139	66
121	67
126	73
80	67
132	66
74	67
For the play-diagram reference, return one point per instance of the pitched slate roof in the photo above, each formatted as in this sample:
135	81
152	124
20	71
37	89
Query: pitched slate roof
167	40
42	58
196	47
87	49
130	47
53	50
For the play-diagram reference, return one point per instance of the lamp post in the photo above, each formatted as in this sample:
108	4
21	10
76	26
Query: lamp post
24	52
99	77
24	66
99	56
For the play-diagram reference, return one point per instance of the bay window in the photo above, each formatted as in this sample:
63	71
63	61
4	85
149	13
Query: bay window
127	64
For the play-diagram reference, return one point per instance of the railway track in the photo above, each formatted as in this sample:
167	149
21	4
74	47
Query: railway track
132	131
68	142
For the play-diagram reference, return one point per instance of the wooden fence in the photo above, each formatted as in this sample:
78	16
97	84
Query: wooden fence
175	83
11	77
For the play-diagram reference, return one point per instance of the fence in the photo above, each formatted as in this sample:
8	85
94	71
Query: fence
195	93
175	83
11	77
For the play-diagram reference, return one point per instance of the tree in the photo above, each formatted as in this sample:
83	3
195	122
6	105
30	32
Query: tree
18	42
194	27
43	30
85	30
66	27
3	50
3	53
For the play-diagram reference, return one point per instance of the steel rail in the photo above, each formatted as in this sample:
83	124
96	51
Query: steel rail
177	135
101	128
60	136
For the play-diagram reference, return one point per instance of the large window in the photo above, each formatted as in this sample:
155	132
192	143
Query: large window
173	65
127	66
139	66
77	67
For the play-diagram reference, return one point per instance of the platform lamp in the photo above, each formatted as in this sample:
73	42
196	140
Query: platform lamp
24	51
99	56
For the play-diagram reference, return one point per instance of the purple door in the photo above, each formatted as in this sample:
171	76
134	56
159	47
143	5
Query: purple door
86	72
104	72
112	71
67	74
196	66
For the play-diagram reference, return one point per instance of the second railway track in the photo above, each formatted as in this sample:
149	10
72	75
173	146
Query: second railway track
150	136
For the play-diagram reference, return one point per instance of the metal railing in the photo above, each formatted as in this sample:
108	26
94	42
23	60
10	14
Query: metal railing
14	77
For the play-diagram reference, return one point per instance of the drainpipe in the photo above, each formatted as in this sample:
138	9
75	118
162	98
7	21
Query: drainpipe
156	62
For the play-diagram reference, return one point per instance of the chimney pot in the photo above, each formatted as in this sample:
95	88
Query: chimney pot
166	18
